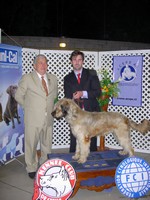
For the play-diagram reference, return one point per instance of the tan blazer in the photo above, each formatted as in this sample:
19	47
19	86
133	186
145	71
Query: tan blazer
31	96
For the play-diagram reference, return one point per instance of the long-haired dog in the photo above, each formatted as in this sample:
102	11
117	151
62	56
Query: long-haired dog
85	125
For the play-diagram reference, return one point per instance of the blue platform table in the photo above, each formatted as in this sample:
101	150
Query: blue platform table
97	173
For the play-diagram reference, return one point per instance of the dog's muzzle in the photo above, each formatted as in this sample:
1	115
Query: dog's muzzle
53	113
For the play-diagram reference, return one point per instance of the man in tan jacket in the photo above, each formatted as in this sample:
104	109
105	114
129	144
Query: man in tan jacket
38	105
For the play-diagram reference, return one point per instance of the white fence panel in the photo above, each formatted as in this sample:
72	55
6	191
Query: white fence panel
59	64
139	142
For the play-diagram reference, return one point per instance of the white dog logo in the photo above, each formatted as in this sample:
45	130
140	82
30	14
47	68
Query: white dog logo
55	179
58	181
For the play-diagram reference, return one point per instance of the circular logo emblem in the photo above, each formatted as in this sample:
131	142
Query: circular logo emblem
55	179
133	177
128	73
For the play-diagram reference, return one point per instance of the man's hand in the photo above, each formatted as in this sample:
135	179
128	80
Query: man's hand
77	94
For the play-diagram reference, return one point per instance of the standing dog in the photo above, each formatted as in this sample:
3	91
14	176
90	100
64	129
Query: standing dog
11	110
85	125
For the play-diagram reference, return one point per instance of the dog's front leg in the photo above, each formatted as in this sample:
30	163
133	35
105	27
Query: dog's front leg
11	117
77	152
84	149
13	122
18	117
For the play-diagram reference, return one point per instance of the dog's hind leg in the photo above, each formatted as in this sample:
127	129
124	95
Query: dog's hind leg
125	141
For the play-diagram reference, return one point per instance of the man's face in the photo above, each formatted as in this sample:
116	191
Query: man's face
41	66
77	62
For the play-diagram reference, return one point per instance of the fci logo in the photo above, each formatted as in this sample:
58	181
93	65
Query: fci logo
133	177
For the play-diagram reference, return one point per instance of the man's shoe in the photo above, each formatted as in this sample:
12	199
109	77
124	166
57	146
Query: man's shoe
32	174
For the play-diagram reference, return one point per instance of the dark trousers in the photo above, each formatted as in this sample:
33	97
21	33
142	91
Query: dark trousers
93	146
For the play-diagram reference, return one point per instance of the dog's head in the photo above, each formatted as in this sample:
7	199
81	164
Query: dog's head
61	108
11	90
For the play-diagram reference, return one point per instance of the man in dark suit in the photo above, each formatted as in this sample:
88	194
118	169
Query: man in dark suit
83	86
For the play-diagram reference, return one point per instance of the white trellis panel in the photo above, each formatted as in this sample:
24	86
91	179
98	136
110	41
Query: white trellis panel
27	59
59	65
139	142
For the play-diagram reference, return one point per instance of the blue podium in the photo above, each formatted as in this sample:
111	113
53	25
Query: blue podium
97	173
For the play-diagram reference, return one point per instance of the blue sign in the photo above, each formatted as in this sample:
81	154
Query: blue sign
128	70
133	177
8	56
11	124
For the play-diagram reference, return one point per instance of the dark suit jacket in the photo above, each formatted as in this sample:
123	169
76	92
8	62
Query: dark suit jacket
89	82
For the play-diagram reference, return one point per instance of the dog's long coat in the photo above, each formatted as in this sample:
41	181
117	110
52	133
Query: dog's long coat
85	125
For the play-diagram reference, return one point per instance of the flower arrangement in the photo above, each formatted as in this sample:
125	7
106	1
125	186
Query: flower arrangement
108	88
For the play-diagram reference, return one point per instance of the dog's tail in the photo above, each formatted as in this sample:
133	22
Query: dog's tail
143	127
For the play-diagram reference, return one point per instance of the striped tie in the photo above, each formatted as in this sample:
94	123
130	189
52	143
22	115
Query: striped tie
44	85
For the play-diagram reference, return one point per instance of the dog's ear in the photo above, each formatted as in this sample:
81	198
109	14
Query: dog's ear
8	90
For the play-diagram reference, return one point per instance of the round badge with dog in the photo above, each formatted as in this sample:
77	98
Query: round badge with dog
133	177
55	180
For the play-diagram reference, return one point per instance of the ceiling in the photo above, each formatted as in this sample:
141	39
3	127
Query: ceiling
120	20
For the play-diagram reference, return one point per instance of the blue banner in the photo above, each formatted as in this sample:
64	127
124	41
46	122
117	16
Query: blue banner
128	69
11	115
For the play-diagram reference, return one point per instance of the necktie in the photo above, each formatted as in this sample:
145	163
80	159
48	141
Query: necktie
44	85
79	78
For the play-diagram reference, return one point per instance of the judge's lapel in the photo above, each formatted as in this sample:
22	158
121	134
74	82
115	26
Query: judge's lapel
73	78
84	77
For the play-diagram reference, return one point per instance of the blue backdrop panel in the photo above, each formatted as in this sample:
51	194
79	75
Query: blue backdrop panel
11	136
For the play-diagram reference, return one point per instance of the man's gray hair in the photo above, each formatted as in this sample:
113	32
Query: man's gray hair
39	56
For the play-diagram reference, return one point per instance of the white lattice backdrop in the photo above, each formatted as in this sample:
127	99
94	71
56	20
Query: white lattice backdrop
27	59
139	142
58	64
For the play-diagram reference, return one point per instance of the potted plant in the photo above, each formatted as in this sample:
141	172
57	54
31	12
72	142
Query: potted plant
108	88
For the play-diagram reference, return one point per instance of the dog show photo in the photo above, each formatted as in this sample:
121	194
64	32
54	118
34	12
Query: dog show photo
75	123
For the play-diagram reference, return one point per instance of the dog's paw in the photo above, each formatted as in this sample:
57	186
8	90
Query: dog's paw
123	153
81	161
75	157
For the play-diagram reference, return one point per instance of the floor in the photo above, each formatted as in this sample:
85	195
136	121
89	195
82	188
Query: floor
16	185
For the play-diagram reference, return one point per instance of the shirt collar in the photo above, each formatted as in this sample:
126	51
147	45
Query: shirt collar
77	72
39	75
